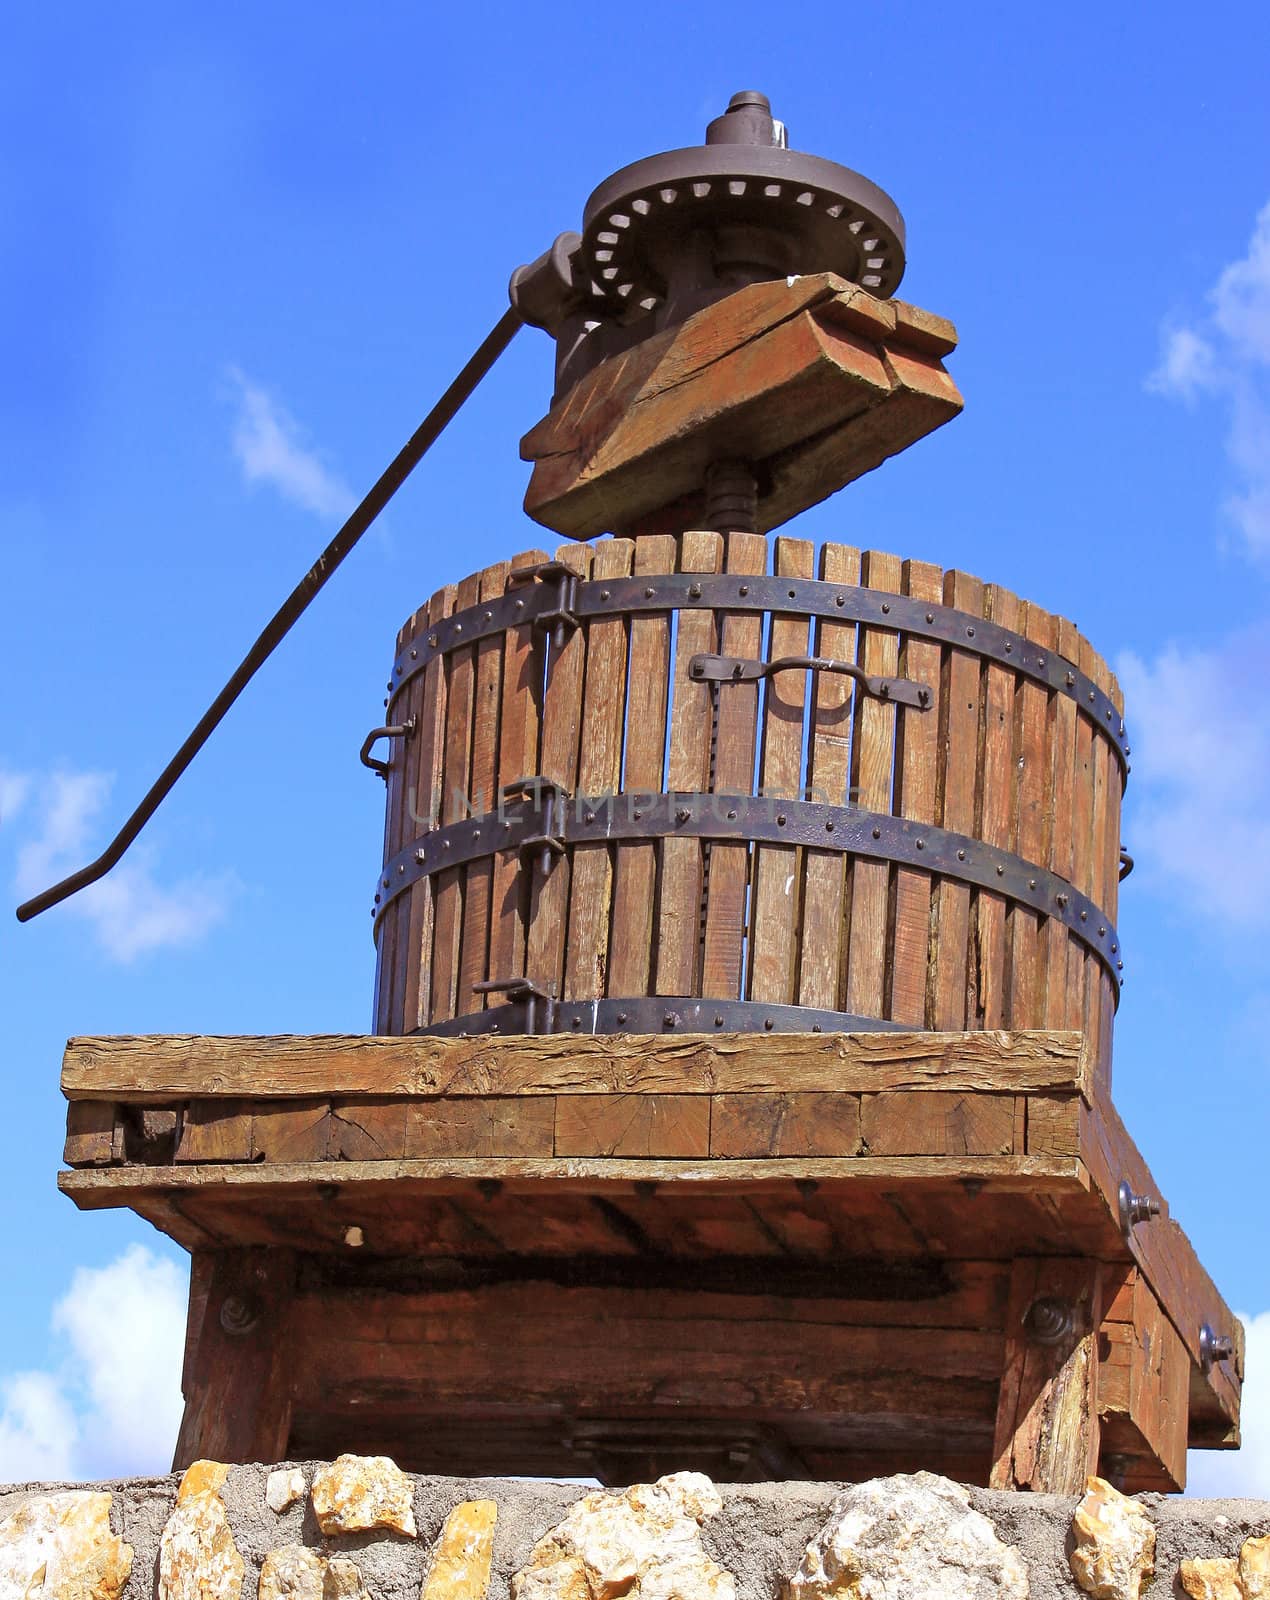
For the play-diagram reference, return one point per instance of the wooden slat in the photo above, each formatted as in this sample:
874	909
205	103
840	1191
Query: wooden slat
367	1130
741	635
456	783
478	883
872	768
1079	964
599	776
291	1130
518	727
959	739
1097	991
154	1069
916	776
774	922
415	927
997	814
1033	827
1059	945
824	943
391	973
561	732
635	869
688	772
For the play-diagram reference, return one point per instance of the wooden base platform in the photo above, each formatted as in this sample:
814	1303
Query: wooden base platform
799	1255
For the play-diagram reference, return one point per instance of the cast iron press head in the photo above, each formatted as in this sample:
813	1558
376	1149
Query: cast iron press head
675	232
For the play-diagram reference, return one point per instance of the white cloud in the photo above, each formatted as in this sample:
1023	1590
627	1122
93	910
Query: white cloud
38	1429
129	911
111	1406
13	791
1227	357
268	443
1200	826
1245	1471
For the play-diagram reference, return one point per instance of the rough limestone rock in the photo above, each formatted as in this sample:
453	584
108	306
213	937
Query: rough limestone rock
198	1559
1114	1554
907	1538
643	1542
293	1572
60	1547
357	1493
461	1559
284	1488
1254	1568
1213	1579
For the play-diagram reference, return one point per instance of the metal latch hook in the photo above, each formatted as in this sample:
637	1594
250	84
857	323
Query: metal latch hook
737	669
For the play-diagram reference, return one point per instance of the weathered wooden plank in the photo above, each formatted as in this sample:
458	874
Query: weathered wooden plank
872	765
1058	944
959	739
925	1123
599	776
392	975
478	883
741	635
215	1130
688	772
1047	1425
997	814
173	1068
90	1133
518	727
1143	1378
250	1365
1033	827
635	869
561	735
455	804
824	943
823	1124
916	772
367	1130
1053	1125
491	1125
774	922
633	1125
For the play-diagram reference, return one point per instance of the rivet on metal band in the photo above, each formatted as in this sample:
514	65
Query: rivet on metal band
547	596
667	1014
755	819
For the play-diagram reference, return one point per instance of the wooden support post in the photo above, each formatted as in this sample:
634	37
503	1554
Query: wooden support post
1046	1436
238	1398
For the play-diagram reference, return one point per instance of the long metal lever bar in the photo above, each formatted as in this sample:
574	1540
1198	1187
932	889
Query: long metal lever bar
289	613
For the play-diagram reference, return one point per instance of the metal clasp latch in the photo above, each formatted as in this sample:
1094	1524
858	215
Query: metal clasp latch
397	730
550	801
529	993
738	669
561	613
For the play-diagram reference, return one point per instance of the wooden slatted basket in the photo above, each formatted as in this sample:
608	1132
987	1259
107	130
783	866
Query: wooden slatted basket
947	865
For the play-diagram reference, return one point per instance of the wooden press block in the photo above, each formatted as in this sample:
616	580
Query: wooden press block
811	381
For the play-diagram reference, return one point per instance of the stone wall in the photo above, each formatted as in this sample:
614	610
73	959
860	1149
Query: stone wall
360	1530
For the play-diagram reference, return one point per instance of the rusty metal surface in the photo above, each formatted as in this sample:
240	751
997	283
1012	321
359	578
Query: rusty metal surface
558	596
525	827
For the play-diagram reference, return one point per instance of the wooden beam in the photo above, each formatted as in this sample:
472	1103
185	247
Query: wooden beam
158	1068
1047	1419
238	1381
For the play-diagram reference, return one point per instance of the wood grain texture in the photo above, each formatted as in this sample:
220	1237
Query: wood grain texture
774	924
822	952
872	772
736	727
823	1124
635	867
996	826
1047	1437
599	776
456	787
173	1068
681	881
916	1124
635	1125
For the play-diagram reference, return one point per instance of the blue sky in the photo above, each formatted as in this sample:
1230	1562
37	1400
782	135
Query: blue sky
245	246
